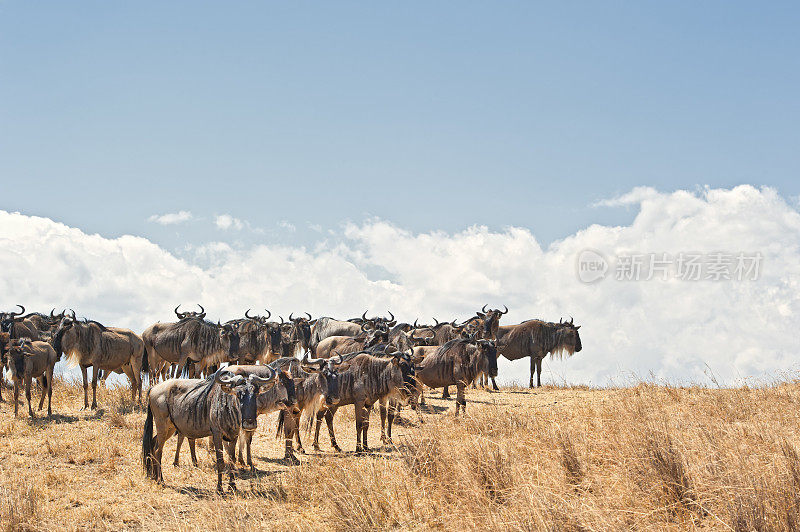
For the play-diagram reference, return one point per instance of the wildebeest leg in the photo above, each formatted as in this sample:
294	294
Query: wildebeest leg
244	442
460	399
94	387
296	431
539	373
164	433
128	370
320	415
28	380
392	409
446	392
230	448
85	387
533	370
329	422
49	390
382	411
178	450
16	396
216	438
359	412
288	429
494	384
43	384
365	426
191	451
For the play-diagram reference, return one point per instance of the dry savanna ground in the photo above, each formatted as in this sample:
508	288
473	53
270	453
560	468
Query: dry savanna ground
645	457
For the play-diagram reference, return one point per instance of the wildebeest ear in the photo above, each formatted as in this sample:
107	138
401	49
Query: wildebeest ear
578	327
481	315
395	361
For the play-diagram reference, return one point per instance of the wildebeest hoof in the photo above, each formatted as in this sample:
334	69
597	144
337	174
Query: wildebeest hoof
315	447
174	464
291	460
301	450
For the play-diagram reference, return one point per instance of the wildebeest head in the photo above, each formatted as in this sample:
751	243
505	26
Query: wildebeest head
489	350
490	321
301	329
287	395
246	390
274	334
327	376
229	336
406	365
184	315
7	319
375	337
570	340
15	354
66	323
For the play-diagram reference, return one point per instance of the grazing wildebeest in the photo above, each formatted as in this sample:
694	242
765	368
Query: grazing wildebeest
89	343
364	380
317	387
536	339
28	360
342	345
190	339
457	362
218	406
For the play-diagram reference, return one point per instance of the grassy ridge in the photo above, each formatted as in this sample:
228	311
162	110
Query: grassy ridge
647	457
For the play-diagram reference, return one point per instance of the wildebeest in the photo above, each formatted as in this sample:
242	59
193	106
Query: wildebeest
326	327
457	362
317	387
342	345
28	360
19	326
259	340
190	339
90	343
536	339
364	380
281	397
218	406
301	331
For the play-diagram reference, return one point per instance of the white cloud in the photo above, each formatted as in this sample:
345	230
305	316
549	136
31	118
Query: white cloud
285	224
674	329
171	218
226	221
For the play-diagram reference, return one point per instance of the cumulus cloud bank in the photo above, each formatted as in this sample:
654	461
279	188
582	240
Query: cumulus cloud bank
673	329
226	221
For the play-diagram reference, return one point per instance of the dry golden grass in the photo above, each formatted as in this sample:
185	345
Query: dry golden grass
647	457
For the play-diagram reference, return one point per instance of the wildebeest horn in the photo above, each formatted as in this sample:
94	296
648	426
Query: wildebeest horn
415	323
483	308
432	332
248	316
268	315
52	313
227	378
307	360
571	320
390	314
202	310
255	379
506	311
290	316
73	314
180	315
364	316
437	322
281	317
339	360
560	320
363	326
309	316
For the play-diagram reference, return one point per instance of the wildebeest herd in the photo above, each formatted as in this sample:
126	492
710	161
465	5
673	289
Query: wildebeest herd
214	379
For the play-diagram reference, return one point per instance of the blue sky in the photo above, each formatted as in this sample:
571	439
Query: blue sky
434	116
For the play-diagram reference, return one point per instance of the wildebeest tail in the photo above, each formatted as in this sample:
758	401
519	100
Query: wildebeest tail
147	442
145	362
